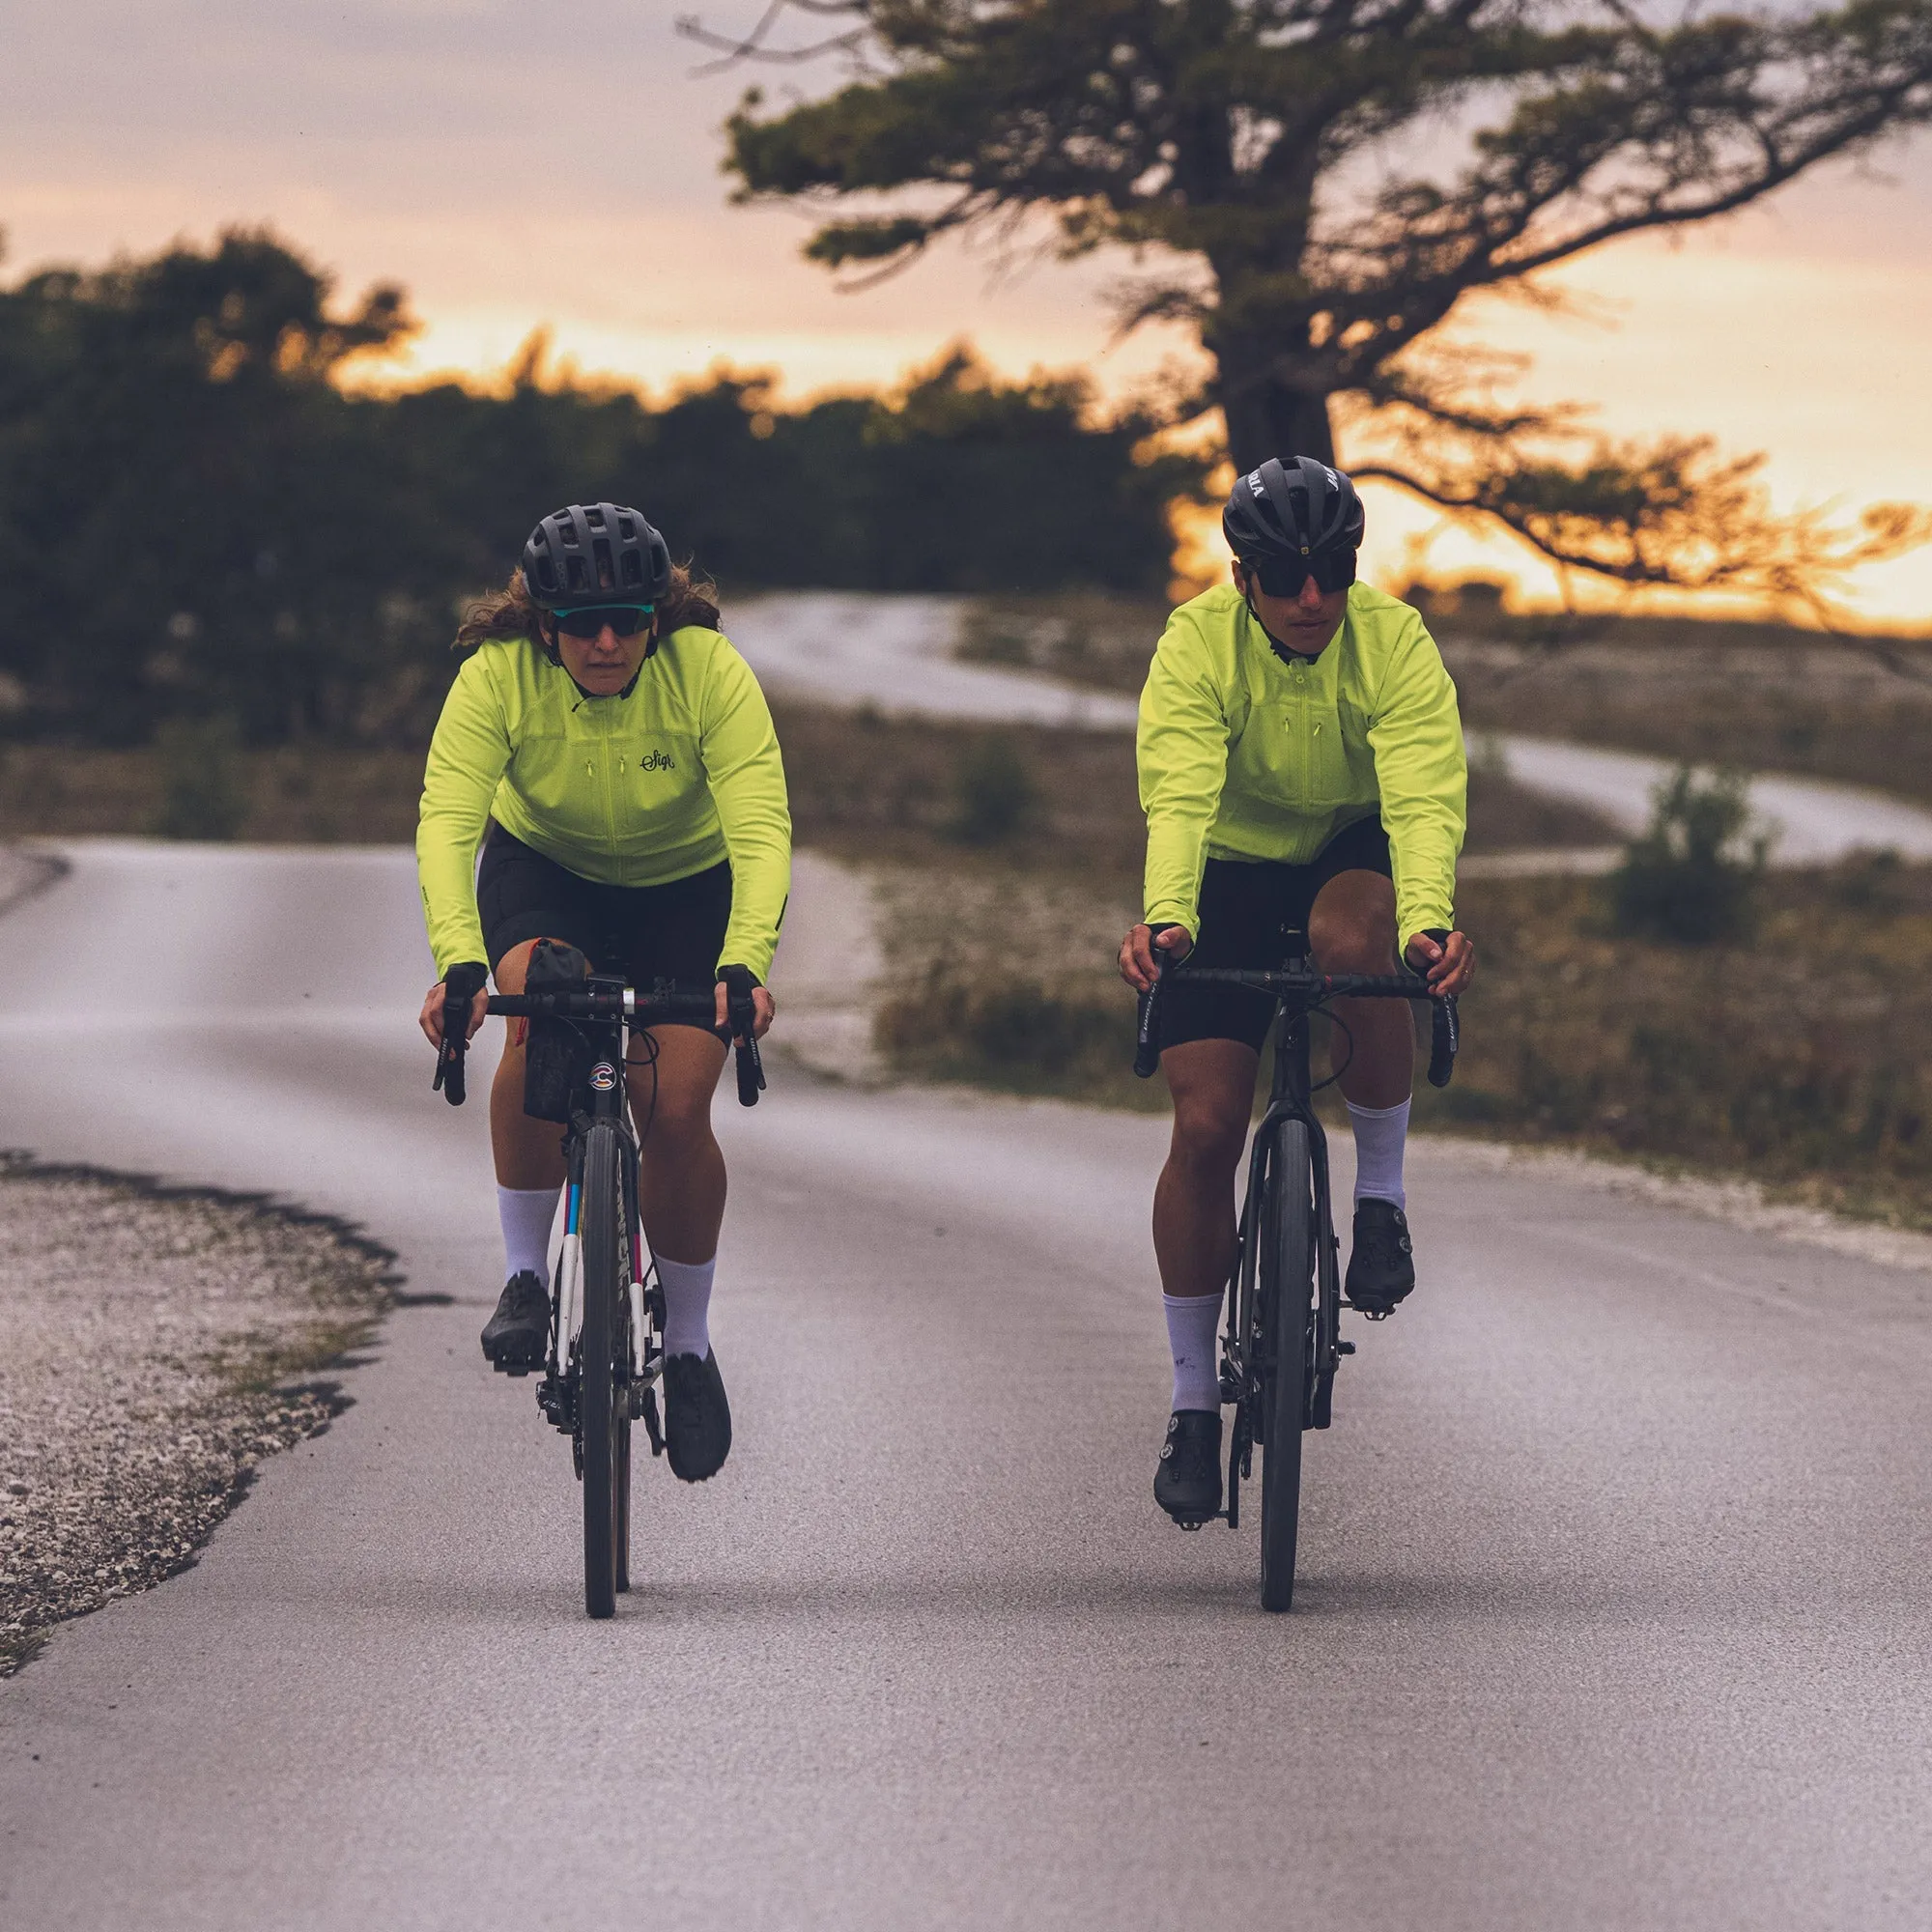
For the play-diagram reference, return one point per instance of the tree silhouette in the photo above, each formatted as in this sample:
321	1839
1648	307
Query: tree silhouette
198	521
1316	186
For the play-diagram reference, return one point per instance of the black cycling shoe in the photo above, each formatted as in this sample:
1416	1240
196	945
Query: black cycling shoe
1381	1262
517	1337
1187	1483
697	1419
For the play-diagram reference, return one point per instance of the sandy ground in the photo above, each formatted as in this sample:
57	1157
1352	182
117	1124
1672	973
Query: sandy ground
153	1345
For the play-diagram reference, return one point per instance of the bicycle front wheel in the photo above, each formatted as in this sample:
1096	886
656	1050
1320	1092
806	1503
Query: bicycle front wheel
601	1395
1286	1275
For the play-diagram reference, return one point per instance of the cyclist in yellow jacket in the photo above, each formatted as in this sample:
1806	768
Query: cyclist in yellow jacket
614	759
1301	766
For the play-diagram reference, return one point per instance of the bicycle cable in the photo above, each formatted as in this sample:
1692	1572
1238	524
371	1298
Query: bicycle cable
650	1060
1336	1020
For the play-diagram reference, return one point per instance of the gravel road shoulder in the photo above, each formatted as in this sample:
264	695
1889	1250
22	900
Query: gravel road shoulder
160	1344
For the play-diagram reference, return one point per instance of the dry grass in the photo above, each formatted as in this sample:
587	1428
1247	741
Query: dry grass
1801	1059
1732	720
300	795
861	785
1758	696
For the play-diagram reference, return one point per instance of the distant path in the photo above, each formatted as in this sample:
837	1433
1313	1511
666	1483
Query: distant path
897	653
1811	823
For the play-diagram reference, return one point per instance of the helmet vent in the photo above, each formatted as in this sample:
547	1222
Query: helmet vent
595	553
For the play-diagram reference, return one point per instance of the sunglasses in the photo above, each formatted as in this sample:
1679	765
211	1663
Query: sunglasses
1283	577
587	621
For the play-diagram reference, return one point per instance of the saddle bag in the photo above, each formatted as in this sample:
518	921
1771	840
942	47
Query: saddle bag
556	1055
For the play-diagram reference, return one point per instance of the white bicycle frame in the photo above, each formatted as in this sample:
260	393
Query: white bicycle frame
567	1272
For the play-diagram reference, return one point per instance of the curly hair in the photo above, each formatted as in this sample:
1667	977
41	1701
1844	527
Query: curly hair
512	612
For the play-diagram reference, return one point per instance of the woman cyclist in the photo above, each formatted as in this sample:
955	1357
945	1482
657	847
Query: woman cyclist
614	759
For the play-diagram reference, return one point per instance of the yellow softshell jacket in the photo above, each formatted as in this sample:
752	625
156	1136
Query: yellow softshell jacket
1244	756
629	791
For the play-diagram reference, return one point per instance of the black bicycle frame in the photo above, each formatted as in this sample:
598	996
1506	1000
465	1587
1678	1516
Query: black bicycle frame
1299	994
1277	1335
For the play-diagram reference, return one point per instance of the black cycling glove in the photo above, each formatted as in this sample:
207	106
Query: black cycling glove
740	1010
465	980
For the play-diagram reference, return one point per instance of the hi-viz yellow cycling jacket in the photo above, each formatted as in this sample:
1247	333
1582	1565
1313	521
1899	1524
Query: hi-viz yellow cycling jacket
1244	756
630	791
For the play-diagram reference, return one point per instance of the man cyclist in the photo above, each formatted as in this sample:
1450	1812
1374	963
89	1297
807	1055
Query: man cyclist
1301	767
614	759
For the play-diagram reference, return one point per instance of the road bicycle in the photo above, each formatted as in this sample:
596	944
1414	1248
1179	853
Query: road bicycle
1283	1338
606	1355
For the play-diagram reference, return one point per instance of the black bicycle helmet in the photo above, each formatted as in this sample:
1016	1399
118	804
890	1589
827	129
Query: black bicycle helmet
590	554
1297	508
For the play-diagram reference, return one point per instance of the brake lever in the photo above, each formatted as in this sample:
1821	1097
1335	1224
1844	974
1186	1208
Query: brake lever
1147	1032
459	987
449	1077
1445	1035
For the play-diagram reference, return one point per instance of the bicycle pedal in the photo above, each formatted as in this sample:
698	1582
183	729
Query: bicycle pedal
514	1368
1191	1523
1345	1348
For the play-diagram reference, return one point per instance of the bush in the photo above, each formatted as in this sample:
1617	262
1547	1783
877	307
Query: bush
1016	1034
1693	875
994	793
1803	1057
202	792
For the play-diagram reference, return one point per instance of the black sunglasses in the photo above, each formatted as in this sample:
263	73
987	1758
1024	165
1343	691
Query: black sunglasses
1283	577
587	621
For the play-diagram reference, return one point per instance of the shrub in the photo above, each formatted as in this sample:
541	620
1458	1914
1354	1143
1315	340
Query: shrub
1693	876
1013	1033
202	792
993	792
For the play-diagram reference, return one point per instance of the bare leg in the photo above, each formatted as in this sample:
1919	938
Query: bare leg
529	1153
681	1175
1352	929
1212	1082
681	1181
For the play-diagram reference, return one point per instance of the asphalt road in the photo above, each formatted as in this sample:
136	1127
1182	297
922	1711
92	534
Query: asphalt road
1613	1609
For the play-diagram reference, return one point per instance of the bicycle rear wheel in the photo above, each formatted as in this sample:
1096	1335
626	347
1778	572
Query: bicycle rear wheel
602	1410
1287	1273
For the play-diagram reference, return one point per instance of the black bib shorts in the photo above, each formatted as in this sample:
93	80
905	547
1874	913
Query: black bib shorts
1245	908
647	933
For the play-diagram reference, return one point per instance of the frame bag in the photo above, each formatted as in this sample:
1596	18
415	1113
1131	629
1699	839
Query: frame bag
557	1056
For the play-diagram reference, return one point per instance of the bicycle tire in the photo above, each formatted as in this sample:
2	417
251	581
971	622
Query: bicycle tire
620	1521
600	1394
1286	1270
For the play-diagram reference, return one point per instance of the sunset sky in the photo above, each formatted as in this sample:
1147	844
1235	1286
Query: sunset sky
517	165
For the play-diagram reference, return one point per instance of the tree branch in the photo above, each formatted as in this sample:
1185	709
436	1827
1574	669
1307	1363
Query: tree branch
737	49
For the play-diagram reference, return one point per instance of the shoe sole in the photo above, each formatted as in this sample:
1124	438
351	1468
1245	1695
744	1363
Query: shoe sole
1375	1311
515	1358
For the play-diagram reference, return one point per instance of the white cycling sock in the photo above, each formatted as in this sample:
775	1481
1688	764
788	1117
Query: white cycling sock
527	1214
687	1287
1379	1134
1191	1323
